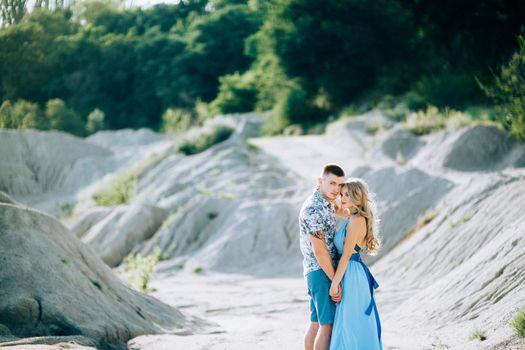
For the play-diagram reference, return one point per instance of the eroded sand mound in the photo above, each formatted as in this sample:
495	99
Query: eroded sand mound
34	162
54	285
463	271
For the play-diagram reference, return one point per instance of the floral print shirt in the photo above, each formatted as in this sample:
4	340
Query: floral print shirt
317	214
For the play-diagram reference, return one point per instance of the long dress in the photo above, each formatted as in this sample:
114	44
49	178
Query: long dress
357	325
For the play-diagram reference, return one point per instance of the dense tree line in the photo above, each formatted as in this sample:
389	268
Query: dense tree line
107	66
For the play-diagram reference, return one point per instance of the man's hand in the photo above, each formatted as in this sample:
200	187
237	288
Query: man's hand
336	293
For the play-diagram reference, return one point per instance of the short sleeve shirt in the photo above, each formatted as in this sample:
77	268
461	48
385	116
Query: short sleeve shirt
317	214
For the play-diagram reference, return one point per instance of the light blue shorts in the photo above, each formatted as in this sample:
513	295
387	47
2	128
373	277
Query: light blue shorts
322	308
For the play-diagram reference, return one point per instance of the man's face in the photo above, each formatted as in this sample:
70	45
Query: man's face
330	186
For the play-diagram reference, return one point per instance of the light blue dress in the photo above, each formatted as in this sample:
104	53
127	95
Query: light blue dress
357	325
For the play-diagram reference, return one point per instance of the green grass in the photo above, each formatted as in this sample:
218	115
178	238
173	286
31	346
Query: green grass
204	141
119	191
122	189
432	119
478	335
519	323
139	269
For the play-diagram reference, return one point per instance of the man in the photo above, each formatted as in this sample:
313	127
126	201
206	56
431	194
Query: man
317	230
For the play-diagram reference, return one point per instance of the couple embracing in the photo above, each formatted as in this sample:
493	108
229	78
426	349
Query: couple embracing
343	312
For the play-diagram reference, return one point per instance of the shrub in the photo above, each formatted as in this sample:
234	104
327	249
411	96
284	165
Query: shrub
22	115
478	335
122	189
139	269
430	120
296	107
206	140
176	120
449	88
508	92
237	94
95	121
63	118
519	323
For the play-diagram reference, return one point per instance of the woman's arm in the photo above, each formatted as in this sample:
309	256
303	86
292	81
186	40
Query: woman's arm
355	231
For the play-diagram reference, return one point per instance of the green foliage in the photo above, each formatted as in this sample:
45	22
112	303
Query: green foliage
325	43
478	335
215	47
509	92
237	94
432	119
205	140
95	121
176	120
22	115
63	118
303	59
139	269
519	323
449	88
120	191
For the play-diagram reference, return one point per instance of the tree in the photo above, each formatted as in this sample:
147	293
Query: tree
12	11
63	118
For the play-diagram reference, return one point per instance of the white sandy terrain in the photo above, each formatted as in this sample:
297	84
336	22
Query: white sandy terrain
451	205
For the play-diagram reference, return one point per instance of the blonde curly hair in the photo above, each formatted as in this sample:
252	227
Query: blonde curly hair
363	200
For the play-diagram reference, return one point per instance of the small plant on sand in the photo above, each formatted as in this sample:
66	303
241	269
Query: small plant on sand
478	335
519	323
139	269
119	191
122	189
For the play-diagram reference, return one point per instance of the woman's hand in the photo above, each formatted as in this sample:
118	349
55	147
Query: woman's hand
335	292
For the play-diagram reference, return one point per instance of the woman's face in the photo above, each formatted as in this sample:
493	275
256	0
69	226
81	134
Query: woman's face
345	199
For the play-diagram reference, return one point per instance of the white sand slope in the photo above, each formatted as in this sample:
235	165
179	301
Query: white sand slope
451	205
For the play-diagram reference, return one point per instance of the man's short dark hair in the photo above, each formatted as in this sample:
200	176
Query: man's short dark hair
333	169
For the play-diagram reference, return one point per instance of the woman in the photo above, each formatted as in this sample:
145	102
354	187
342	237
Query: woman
357	325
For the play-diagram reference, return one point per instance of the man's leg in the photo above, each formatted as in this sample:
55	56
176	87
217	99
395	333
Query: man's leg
322	342
311	334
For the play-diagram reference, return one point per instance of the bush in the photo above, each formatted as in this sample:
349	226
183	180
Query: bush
139	269
519	323
425	122
22	115
508	92
206	140
176	120
120	191
237	94
478	335
95	121
296	107
449	88
63	118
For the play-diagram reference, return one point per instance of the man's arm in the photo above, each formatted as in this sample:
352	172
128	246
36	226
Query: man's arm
323	257
321	253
